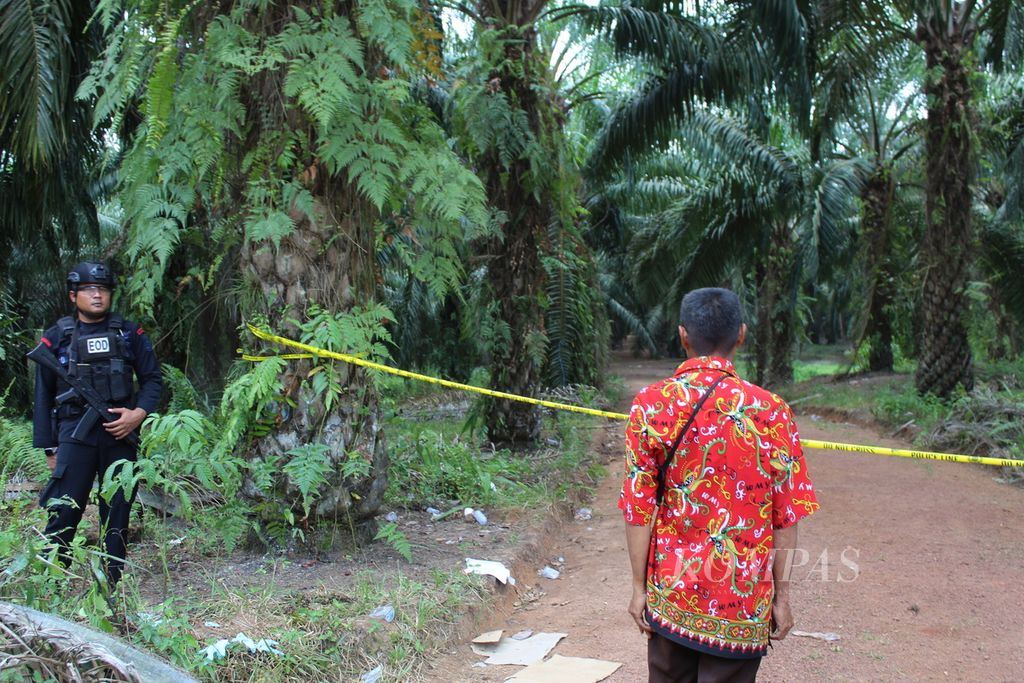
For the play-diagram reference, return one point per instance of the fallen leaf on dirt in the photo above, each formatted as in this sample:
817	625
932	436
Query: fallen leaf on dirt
559	669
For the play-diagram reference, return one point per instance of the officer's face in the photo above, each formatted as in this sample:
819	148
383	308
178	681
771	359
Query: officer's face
92	301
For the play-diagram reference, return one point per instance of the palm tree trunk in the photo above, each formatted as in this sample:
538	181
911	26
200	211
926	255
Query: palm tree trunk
517	279
945	353
328	261
764	322
516	274
877	197
775	309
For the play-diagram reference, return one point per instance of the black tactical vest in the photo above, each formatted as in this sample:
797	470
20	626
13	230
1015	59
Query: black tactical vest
102	359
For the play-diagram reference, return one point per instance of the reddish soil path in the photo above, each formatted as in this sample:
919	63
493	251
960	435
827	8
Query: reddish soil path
932	588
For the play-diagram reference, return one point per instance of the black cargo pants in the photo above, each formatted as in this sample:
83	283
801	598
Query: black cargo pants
78	466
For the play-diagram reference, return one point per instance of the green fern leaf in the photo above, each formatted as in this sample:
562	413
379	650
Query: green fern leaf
307	470
393	536
269	225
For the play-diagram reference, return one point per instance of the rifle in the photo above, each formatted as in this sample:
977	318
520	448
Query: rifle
97	407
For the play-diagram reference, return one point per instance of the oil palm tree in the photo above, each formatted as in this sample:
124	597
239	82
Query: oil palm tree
883	129
273	140
743	54
956	37
747	208
51	179
1001	207
516	84
752	57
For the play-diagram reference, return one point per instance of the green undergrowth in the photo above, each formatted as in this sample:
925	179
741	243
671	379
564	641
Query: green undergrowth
437	467
987	421
814	361
438	458
892	400
321	634
445	462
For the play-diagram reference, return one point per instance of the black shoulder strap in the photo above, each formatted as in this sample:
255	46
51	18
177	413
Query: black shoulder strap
73	349
115	322
670	456
65	326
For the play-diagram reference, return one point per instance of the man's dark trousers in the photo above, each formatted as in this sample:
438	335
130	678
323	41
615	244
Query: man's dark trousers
670	662
78	465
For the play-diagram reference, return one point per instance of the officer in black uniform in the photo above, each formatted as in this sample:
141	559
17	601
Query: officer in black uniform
104	350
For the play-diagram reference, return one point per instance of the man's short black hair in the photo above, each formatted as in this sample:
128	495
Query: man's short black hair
712	318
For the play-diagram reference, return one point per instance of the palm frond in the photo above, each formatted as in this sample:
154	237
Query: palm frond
633	322
49	171
1003	257
35	68
713	72
1004	20
657	36
829	226
693	243
1004	137
779	30
726	142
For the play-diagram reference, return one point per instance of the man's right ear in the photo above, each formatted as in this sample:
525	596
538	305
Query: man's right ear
684	338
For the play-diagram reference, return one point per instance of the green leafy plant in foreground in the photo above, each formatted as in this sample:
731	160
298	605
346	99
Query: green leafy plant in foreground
18	458
393	536
32	575
897	406
429	468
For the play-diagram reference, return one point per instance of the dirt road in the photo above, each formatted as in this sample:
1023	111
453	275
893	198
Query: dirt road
917	565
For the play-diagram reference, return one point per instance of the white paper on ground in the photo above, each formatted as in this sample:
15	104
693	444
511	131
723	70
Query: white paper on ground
520	652
489	568
219	650
559	669
827	637
488	638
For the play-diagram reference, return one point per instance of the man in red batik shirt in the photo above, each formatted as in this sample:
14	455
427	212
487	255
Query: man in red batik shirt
710	551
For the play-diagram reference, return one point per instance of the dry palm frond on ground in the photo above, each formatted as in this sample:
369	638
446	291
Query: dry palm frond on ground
55	649
986	424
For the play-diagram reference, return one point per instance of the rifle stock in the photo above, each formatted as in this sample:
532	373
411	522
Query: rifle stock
97	407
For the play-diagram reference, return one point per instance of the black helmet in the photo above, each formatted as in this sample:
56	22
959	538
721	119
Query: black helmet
90	273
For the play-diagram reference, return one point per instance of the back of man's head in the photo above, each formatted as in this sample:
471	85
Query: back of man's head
712	318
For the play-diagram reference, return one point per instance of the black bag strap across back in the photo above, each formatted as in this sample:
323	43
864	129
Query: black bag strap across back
663	471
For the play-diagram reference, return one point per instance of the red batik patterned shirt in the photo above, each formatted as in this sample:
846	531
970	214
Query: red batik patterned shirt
740	474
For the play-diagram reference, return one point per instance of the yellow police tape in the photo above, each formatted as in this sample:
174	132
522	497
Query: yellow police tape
808	443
